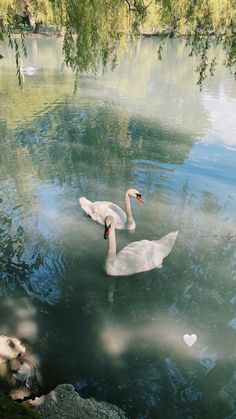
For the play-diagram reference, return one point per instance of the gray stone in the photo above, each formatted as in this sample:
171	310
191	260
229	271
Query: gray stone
65	403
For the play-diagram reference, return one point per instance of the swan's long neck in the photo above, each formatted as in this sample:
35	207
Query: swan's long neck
111	244
130	220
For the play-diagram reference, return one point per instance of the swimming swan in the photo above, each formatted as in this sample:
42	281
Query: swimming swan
100	209
30	71
139	256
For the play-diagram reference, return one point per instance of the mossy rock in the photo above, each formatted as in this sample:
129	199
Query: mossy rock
10	409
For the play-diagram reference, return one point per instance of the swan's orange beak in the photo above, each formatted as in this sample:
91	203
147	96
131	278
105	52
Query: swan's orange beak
106	232
140	199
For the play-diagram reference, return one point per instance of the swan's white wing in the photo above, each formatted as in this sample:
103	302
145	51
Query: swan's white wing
136	257
142	256
85	205
98	211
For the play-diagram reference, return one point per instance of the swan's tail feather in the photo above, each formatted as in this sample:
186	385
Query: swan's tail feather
85	205
167	242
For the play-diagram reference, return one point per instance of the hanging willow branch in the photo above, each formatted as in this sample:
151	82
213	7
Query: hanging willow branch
97	31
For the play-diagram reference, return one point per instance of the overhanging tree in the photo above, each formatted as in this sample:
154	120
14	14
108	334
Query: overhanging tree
97	30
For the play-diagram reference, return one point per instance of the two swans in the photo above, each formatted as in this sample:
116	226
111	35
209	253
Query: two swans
100	209
139	256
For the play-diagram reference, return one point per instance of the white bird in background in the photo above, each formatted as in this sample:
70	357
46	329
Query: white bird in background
139	256
100	209
30	71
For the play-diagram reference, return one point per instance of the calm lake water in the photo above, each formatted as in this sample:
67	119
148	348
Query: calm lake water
147	126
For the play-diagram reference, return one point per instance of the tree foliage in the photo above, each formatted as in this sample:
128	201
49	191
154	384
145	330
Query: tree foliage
101	31
203	21
95	31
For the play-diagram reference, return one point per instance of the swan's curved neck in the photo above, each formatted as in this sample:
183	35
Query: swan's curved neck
130	220
111	244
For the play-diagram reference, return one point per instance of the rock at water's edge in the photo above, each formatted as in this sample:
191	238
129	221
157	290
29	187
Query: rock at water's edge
65	403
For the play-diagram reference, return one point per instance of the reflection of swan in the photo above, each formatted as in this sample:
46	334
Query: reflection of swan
139	256
100	209
30	71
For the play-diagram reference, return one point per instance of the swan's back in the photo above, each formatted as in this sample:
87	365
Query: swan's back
141	256
30	71
98	211
85	205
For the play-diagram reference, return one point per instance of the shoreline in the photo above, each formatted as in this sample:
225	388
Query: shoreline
146	33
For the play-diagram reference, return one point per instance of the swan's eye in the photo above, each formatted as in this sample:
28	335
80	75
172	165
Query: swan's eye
139	198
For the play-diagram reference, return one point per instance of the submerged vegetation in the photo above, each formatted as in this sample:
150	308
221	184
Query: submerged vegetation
96	32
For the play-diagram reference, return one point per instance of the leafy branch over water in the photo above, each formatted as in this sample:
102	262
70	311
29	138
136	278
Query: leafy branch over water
97	31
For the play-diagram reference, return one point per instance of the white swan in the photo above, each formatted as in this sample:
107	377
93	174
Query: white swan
139	256
100	209
30	71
